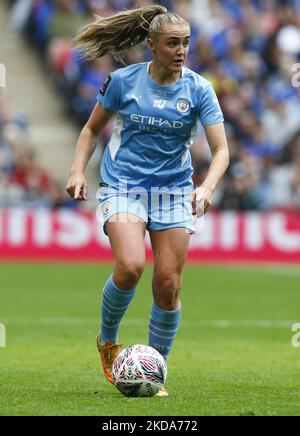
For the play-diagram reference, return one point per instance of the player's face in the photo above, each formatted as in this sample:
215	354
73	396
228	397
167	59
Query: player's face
171	47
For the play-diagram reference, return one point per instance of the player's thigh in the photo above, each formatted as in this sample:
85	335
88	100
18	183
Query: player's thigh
127	239
170	250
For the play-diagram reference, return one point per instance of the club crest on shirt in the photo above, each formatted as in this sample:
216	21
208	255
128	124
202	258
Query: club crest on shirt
183	105
106	207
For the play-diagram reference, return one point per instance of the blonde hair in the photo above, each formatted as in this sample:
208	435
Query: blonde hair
116	34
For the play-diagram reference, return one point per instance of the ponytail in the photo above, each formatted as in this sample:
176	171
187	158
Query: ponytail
118	33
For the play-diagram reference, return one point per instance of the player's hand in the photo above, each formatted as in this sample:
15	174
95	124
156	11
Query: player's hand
77	187
201	201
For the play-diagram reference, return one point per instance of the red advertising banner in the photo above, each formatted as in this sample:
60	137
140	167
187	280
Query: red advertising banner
41	234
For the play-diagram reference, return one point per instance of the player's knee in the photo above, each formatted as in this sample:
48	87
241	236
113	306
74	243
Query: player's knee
167	291
129	272
168	282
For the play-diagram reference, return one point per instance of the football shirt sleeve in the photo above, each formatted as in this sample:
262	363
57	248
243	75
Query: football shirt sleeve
209	108
109	94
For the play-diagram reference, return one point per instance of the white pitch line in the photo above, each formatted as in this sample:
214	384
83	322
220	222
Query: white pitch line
280	271
140	322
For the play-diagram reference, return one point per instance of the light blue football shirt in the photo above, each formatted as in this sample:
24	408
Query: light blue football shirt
155	126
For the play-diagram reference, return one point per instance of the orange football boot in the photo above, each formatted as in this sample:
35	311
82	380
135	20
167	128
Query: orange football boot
108	352
162	393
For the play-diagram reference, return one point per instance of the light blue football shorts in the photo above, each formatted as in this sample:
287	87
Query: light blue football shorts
160	210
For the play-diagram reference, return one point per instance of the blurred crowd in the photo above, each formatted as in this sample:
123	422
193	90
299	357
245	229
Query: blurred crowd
248	49
23	182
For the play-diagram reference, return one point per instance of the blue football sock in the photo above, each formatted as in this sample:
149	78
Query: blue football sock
163	327
113	307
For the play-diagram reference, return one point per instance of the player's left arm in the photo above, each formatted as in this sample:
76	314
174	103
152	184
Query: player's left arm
202	196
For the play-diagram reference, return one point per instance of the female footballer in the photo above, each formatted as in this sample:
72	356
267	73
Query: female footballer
146	172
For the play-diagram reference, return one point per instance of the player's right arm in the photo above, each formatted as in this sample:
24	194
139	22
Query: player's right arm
77	185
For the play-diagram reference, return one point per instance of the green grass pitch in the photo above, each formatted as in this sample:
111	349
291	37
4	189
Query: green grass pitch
233	354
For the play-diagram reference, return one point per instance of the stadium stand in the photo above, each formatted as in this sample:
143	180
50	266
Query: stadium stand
246	48
23	182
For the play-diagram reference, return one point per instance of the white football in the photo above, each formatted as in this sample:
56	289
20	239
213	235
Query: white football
139	371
